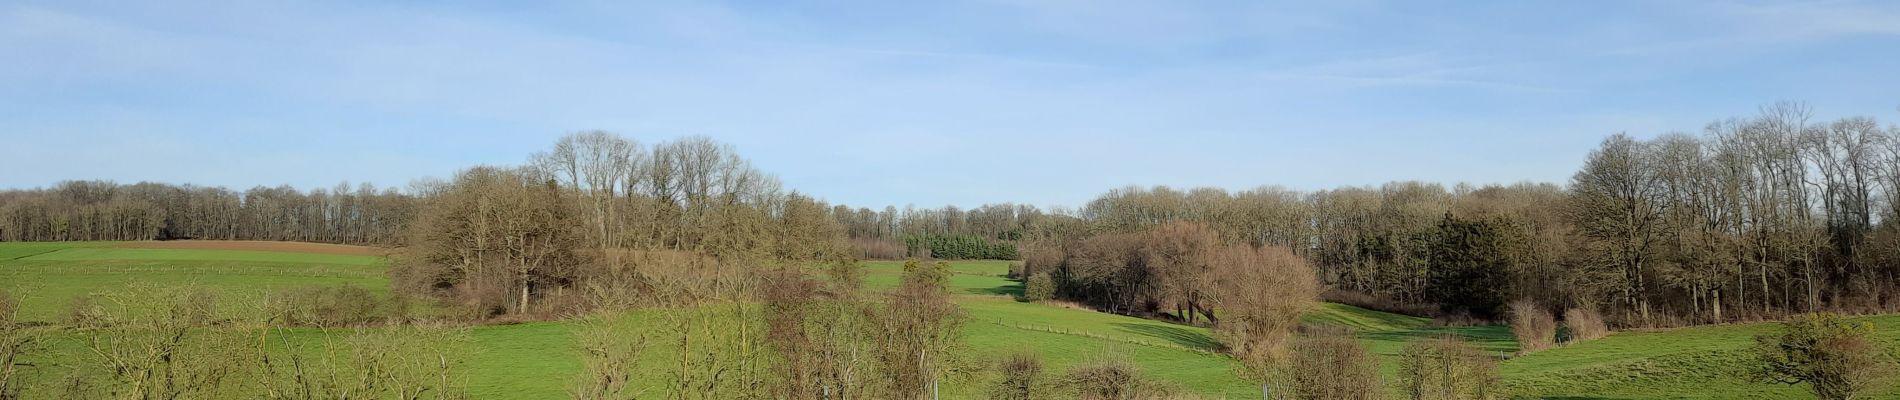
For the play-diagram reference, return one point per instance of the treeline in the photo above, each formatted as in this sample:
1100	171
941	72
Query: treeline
1757	217
993	221
99	210
915	232
691	194
959	247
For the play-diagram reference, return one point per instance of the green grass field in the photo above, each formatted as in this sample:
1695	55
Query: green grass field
51	275
1689	363
538	360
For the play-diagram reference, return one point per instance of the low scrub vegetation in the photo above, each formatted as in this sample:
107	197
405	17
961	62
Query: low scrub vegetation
1334	367
1021	378
1584	324
185	342
1447	368
1534	327
16	341
1838	359
1039	287
335	306
1112	377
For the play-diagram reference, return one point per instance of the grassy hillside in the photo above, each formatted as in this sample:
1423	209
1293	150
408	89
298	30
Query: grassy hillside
1689	363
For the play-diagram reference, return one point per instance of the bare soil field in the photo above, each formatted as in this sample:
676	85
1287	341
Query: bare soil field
259	245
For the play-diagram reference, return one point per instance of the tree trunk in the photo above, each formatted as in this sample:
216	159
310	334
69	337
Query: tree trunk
1715	304
523	308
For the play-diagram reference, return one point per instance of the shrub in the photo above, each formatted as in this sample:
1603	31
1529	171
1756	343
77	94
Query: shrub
16	341
1334	368
1261	293
1838	358
1534	327
1039	258
919	335
326	306
151	341
1111	378
9	308
408	361
1039	287
610	346
83	310
1447	369
1022	377
1585	324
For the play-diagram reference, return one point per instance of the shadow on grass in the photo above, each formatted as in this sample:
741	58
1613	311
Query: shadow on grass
1489	337
1173	334
1014	289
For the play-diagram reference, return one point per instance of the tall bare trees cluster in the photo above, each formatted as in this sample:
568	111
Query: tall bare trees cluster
690	194
98	210
1757	216
494	237
1770	214
1407	241
593	209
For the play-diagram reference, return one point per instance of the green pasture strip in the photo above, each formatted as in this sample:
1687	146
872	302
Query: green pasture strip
85	253
18	250
49	287
1708	362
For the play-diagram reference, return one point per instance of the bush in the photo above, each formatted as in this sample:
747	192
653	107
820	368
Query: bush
611	345
1039	258
1838	358
326	306
16	341
1334	368
149	341
1039	287
1534	327
83	310
1447	369
1585	324
1022	377
1111	378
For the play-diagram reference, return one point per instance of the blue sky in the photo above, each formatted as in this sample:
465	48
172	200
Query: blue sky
1047	102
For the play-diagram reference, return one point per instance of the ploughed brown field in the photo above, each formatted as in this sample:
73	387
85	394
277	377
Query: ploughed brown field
256	245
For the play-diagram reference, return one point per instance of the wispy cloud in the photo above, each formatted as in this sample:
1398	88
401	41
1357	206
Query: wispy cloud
1419	69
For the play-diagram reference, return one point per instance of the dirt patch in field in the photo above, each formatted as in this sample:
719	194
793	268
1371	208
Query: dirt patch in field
285	247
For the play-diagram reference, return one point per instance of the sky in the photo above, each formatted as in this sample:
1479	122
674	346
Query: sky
873	103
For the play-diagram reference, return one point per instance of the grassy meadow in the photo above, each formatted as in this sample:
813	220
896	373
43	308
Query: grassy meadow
537	360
